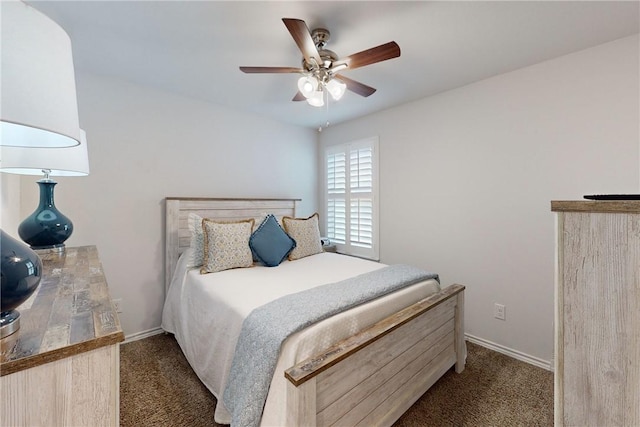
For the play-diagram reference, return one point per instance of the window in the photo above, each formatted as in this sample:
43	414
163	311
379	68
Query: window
351	196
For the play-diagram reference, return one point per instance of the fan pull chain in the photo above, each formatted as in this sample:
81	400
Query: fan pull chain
325	93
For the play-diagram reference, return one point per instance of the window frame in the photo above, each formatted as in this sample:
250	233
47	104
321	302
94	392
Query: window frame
348	247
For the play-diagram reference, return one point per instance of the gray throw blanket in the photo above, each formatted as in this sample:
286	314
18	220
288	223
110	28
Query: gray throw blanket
266	327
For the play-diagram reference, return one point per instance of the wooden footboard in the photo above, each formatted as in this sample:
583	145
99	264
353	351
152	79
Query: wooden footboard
373	377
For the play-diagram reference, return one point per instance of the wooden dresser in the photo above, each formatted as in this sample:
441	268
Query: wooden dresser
597	360
62	366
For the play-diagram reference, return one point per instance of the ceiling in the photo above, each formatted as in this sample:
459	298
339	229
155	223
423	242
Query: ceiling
194	48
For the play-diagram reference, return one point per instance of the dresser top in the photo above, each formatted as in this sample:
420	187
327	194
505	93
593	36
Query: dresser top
601	206
69	313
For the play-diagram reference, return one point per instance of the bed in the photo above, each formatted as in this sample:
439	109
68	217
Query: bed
364	366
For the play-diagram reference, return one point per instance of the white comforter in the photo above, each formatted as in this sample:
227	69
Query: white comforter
205	313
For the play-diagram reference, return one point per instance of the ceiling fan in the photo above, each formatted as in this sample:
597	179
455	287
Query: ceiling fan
321	67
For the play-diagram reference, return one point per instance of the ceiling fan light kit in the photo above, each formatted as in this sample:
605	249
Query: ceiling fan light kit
313	89
320	66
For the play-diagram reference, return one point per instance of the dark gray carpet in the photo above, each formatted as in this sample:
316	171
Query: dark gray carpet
158	388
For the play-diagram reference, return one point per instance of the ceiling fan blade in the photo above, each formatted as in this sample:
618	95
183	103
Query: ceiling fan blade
299	97
301	35
370	56
357	87
252	70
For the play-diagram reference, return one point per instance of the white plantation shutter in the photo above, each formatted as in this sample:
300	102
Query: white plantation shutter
351	197
336	220
361	223
336	196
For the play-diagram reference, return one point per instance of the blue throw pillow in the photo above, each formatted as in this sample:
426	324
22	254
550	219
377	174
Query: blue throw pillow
269	243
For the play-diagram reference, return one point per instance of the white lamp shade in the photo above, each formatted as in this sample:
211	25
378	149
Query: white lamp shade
336	88
68	161
307	85
39	106
316	99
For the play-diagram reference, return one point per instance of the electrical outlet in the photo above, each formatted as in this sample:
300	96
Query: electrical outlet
499	311
117	304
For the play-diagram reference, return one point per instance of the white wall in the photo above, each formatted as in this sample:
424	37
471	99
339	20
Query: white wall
145	145
10	204
467	177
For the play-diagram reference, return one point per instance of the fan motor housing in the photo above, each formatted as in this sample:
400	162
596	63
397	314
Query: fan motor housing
321	37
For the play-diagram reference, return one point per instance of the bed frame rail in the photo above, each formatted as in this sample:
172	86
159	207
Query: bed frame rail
373	377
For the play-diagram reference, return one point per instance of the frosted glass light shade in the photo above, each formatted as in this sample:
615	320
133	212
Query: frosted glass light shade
39	107
68	161
307	85
336	88
316	99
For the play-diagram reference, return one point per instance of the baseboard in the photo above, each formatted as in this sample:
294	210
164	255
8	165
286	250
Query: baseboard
144	334
544	364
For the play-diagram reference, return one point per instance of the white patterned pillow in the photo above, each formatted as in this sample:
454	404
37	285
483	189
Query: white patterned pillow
194	223
306	233
226	245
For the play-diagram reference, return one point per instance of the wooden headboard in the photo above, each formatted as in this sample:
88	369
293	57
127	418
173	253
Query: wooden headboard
177	210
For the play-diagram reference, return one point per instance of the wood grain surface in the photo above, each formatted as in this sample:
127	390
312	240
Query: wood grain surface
70	313
598	318
602	206
311	367
374	376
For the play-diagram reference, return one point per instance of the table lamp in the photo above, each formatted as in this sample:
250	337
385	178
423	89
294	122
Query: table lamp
38	108
46	227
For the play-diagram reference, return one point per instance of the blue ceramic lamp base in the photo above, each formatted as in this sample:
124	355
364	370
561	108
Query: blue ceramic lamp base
46	227
21	270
